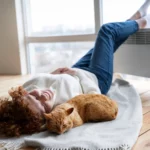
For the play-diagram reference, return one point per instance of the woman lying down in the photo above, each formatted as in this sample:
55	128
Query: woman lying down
84	85
31	108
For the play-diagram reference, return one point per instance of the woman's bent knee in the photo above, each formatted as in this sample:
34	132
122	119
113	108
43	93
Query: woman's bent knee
107	30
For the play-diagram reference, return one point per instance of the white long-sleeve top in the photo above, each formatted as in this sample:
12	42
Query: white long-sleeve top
64	86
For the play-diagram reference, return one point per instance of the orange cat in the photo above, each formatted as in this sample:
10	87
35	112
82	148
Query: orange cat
80	109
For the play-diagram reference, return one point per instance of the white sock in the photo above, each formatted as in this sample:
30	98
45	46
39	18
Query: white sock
143	9
147	18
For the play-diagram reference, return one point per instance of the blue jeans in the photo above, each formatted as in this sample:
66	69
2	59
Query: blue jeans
99	60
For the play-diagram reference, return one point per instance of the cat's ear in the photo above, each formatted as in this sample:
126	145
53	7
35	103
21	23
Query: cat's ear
47	116
69	111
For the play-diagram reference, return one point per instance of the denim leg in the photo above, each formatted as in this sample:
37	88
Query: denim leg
84	61
110	37
124	38
99	60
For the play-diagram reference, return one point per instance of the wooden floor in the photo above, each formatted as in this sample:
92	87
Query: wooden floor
143	87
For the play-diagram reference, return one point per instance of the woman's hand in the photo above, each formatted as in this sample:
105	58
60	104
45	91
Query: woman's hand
64	71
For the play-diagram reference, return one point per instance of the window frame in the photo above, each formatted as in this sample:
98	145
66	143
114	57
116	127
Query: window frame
64	38
54	39
98	17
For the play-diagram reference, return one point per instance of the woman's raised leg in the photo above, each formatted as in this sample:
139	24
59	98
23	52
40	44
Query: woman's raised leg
85	60
109	38
99	60
102	58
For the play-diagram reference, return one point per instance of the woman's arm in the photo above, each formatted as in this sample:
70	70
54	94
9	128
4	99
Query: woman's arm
88	83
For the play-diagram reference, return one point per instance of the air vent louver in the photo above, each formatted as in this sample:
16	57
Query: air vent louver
141	37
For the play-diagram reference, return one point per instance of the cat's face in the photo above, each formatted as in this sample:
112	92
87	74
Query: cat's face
59	121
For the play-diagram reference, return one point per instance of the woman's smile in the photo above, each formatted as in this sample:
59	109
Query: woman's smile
39	101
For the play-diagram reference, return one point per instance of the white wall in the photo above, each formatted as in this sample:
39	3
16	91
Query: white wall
9	44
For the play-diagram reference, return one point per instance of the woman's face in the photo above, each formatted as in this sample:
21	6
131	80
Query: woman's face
39	101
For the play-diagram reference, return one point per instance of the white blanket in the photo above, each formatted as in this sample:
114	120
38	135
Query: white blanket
119	134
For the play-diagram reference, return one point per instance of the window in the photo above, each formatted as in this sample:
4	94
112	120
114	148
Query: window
61	17
59	32
49	56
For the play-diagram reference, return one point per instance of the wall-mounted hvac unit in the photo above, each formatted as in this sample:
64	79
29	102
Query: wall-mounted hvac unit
133	57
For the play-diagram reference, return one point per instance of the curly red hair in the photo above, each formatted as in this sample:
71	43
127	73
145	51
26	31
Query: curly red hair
16	118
